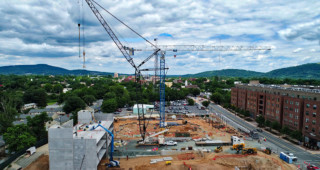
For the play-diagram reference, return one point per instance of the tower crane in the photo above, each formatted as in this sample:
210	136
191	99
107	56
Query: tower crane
138	75
157	51
176	48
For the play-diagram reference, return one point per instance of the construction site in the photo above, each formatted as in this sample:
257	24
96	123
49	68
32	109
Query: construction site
153	139
190	143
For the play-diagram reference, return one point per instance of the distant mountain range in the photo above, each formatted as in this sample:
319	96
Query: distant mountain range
44	69
305	71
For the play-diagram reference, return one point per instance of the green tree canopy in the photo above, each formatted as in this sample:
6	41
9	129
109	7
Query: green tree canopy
109	106
216	97
18	137
190	102
260	120
89	99
38	96
73	103
57	88
37	125
205	103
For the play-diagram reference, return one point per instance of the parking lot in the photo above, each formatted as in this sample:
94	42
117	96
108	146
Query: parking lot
181	107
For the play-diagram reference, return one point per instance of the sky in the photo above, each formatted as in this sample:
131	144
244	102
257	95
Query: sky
46	32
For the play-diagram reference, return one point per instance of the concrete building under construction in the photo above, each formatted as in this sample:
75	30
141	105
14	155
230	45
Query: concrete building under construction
78	147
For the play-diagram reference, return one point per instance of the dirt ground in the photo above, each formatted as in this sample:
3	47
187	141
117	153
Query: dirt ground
197	127
259	161
42	163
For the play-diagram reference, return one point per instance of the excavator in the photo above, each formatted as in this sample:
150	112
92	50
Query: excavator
112	163
218	149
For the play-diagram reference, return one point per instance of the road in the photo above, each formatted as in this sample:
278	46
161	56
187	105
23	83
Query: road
282	145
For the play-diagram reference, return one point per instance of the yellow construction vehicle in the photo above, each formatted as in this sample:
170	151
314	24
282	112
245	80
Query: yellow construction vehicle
218	149
268	151
168	162
238	147
249	151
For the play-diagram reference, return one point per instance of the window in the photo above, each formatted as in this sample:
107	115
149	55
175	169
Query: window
291	102
278	100
291	115
308	105
314	122
296	110
306	127
277	111
307	112
314	106
314	114
297	103
313	130
296	117
307	120
285	107
287	101
295	123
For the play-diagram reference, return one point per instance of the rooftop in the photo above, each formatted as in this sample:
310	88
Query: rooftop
301	88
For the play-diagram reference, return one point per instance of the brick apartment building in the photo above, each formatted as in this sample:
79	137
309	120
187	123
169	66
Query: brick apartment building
297	107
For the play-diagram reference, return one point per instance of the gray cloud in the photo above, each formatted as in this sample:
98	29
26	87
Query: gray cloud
35	32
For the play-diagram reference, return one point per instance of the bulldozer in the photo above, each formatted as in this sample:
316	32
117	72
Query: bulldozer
168	162
268	151
218	149
249	151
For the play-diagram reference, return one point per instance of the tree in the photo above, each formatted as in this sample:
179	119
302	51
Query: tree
205	103
48	87
38	96
7	112
275	125
216	97
195	91
57	88
109	106
260	120
73	103
296	134
18	137
89	99
37	125
268	123
190	102
285	130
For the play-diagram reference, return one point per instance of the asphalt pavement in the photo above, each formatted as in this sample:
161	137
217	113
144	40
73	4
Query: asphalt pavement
282	145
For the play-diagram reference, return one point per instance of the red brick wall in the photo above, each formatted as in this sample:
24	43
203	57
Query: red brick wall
234	96
252	102
292	112
242	98
273	110
313	117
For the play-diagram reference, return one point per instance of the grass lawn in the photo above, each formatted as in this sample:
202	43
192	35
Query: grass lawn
51	102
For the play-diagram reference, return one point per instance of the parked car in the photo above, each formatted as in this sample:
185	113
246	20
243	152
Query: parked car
116	113
312	167
259	130
170	143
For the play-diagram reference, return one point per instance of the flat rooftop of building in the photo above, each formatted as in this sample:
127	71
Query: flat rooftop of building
86	130
301	88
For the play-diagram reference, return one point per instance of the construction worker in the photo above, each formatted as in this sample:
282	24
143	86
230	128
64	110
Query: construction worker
265	139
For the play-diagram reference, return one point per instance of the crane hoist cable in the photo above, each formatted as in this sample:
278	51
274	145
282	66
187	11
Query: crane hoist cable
124	24
79	28
83	40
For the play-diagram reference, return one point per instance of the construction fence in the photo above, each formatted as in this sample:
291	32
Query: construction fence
21	152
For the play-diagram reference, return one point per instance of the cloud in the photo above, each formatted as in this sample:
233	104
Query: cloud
47	32
297	50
